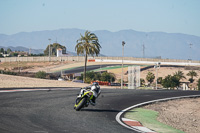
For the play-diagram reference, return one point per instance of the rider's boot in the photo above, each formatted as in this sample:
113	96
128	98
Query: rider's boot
92	101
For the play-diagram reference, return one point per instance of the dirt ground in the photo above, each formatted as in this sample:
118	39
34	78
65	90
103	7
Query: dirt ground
181	114
9	81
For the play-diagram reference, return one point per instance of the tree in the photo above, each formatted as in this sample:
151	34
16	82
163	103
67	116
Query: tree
54	48
179	75
191	80
88	45
9	50
150	77
198	84
192	74
14	54
170	82
2	50
92	76
107	77
142	81
159	80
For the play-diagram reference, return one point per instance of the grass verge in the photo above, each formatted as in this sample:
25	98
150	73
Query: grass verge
148	118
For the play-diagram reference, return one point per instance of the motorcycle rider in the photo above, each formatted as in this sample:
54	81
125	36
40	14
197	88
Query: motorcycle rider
95	88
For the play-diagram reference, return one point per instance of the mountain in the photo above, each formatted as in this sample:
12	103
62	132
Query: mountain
165	45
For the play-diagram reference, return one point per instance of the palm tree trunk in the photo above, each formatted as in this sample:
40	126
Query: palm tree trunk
85	67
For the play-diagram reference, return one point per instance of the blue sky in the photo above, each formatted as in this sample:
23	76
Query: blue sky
172	16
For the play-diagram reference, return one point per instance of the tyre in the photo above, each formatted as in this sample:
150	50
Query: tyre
80	104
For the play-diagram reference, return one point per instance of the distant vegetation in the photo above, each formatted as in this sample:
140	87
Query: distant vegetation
53	49
7	72
150	77
92	76
41	74
171	81
9	53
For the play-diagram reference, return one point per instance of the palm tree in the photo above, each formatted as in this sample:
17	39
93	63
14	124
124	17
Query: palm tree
179	75
87	45
192	74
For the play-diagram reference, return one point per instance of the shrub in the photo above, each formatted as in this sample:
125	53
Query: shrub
159	80
107	77
41	74
142	82
150	77
8	72
170	82
92	76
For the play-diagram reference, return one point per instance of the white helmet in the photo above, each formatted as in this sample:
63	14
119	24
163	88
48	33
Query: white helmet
93	88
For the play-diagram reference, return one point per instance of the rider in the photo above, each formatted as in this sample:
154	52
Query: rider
95	88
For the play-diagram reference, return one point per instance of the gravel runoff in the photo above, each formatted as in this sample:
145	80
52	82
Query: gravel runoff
181	114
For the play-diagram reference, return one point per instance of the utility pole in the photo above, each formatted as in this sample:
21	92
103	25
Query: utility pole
123	43
143	48
157	66
49	49
191	51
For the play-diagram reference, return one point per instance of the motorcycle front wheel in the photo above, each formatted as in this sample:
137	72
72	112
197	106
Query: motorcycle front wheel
80	104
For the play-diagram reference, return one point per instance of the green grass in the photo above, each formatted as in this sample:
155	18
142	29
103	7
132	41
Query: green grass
108	68
115	67
65	69
148	118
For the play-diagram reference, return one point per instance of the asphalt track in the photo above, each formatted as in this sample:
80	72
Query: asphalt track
93	67
51	111
89	68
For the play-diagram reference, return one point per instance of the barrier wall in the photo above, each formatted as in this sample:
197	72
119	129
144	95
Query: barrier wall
81	58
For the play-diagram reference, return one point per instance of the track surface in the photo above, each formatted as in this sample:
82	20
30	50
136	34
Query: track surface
93	67
52	111
89	68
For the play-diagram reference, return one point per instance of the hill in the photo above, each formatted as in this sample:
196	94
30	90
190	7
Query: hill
157	44
20	48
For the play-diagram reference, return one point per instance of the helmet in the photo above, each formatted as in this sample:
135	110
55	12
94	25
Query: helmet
93	87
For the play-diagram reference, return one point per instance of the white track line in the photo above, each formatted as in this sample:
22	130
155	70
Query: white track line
118	116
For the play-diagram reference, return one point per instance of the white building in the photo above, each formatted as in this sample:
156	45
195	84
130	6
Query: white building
60	52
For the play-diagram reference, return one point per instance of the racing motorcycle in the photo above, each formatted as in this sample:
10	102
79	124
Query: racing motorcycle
84	99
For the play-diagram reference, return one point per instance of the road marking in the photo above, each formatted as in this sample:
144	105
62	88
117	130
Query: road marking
125	122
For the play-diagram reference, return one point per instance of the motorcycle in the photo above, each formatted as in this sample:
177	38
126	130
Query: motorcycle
84	100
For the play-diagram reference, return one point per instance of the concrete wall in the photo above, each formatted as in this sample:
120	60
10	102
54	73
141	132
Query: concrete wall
42	58
81	58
